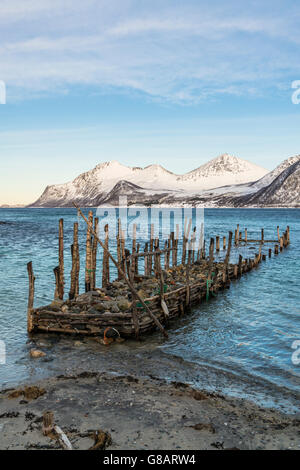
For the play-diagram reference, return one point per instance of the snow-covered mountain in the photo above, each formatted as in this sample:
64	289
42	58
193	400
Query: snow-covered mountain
89	188
221	171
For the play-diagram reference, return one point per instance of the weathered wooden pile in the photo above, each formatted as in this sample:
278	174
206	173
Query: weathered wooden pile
137	303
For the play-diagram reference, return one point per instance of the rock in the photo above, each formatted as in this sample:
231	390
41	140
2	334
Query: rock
64	308
93	310
99	307
118	284
75	310
114	308
123	304
199	395
142	294
36	353
102	440
31	393
84	298
57	303
203	427
78	343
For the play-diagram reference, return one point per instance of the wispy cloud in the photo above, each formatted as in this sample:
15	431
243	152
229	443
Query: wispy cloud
171	52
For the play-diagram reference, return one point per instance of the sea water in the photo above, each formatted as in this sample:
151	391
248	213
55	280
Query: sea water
245	335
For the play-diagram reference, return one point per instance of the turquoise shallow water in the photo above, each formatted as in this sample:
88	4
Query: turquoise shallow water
247	331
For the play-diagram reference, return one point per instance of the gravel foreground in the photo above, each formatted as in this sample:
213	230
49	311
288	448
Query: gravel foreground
137	413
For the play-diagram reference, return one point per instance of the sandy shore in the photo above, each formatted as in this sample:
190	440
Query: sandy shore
140	414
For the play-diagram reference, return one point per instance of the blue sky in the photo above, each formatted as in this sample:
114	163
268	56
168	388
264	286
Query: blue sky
170	82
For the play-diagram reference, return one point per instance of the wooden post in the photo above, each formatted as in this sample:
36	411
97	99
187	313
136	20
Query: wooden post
281	243
105	264
246	235
187	300
133	251
30	297
193	242
166	253
288	234
276	250
235	270
240	265
94	255
61	260
270	252
184	242
119	254
56	275
259	254
199	254
187	229
278	234
227	257
156	258
189	259
137	259
146	259
217	243
151	248
74	252
203	250
128	282
176	244
262	236
173	249
237	234
48	423
224	243
123	250
264	257
88	254
235	237
211	258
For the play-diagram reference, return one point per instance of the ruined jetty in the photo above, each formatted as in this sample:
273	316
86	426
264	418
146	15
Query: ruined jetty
137	303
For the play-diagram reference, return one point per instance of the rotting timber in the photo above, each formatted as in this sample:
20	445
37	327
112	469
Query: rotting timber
138	303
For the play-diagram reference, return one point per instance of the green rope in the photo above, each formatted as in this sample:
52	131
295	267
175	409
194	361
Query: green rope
140	305
208	284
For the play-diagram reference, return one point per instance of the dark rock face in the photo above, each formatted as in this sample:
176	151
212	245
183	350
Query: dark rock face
284	191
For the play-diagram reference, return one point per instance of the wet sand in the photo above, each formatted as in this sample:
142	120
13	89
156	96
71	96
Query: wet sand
141	413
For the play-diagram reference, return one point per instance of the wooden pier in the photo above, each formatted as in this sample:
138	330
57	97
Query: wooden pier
136	303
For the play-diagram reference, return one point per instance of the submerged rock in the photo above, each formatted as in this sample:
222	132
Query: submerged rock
35	353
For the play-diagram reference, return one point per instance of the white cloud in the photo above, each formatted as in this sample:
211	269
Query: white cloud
181	54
